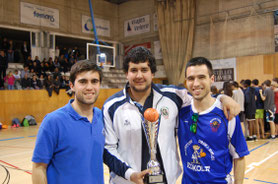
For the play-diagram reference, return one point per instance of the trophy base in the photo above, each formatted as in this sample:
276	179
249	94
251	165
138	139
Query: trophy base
154	179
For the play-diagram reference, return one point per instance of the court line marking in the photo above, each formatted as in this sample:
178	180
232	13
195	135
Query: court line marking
251	166
14	166
265	181
13	138
259	146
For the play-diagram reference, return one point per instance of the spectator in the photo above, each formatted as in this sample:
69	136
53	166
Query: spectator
9	79
259	109
25	82
56	63
238	96
3	67
250	110
24	71
49	85
28	61
11	52
76	52
275	86
214	91
35	82
5	45
41	81
269	106
37	60
25	51
227	88
56	84
17	82
57	52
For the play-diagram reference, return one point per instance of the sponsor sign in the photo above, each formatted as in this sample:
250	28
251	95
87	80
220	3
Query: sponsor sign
39	15
102	26
137	26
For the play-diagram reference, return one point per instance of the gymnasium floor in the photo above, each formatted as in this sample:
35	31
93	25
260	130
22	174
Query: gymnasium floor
16	147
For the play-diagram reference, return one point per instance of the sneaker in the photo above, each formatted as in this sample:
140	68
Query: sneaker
270	137
249	139
255	139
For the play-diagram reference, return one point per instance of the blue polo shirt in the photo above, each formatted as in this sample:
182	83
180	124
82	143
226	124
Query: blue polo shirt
71	146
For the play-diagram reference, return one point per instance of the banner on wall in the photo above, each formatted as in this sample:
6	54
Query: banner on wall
157	50
275	15
102	26
129	47
39	15
223	70
137	26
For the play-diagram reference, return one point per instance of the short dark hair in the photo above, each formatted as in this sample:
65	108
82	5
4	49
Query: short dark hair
235	84
200	61
267	83
139	55
275	79
255	82
82	66
247	82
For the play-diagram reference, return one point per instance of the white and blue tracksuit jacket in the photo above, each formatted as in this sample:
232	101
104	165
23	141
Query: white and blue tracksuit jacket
123	134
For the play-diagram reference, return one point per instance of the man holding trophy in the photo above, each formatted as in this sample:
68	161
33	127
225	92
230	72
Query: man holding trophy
153	145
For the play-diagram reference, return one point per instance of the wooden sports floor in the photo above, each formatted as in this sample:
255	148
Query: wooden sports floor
17	144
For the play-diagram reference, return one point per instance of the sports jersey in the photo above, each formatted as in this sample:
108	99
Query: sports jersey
207	156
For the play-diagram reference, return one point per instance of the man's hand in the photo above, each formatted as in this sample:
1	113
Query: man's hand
138	177
230	107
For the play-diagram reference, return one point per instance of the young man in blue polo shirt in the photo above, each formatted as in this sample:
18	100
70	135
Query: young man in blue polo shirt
209	143
70	142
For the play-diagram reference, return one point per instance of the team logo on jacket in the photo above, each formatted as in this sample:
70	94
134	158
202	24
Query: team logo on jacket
127	122
215	124
164	111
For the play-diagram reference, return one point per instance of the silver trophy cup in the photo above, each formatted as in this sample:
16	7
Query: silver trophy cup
151	127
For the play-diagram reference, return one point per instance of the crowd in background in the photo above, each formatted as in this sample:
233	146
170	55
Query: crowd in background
259	106
48	74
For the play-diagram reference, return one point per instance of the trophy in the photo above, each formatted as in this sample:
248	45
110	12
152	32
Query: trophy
151	128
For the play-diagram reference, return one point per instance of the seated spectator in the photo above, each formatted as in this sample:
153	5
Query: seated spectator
51	65
26	82
42	68
62	81
28	61
9	80
17	82
46	67
76	52
41	81
56	84
24	71
32	72
56	63
56	73
49	85
35	82
37	68
37	60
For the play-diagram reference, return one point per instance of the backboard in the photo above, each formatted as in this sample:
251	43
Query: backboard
106	57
